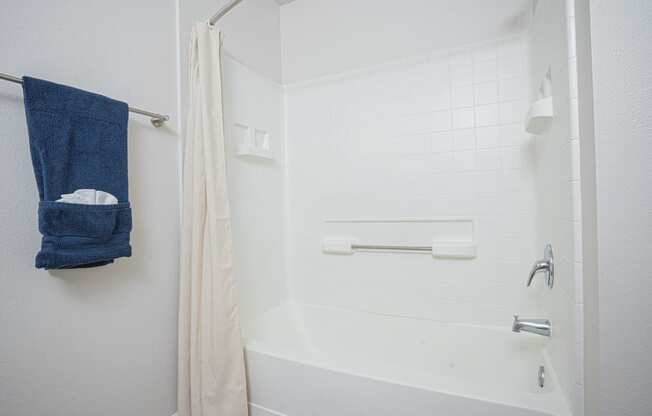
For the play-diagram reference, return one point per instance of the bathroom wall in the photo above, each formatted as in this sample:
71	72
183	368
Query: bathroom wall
615	125
71	338
253	99
552	41
256	189
91	341
398	153
325	37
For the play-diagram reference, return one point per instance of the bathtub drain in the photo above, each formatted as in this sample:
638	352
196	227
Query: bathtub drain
541	378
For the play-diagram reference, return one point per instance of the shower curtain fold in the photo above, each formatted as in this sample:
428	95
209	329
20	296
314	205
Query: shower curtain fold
211	362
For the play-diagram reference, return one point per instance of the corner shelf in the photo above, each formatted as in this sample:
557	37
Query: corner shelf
541	112
540	116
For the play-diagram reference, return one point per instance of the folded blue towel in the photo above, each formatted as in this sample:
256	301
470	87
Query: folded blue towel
78	140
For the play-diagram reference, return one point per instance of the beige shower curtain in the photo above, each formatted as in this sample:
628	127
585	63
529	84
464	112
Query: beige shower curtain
211	363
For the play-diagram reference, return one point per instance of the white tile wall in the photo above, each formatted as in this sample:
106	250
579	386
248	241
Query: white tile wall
463	118
485	71
464	139
514	89
463	96
488	137
421	139
486	115
486	93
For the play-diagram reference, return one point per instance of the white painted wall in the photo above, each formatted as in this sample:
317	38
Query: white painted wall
614	62
325	37
91	341
74	337
438	136
558	191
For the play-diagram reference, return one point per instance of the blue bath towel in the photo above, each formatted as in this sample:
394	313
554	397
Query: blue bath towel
78	140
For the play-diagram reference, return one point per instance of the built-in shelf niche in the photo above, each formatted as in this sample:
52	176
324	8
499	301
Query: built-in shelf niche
252	142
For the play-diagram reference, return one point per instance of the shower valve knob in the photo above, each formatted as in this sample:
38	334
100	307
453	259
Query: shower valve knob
545	266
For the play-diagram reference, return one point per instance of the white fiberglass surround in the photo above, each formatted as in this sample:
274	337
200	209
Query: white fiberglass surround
368	153
313	360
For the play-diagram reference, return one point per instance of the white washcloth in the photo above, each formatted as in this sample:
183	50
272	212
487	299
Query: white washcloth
89	197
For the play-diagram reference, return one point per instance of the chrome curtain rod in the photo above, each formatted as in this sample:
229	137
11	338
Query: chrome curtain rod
157	119
223	10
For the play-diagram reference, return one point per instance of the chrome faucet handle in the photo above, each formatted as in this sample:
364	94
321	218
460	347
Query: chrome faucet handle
545	265
542	265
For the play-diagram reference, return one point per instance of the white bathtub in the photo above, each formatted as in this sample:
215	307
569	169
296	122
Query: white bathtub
315	361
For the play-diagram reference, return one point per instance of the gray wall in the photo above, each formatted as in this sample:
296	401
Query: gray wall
97	341
616	106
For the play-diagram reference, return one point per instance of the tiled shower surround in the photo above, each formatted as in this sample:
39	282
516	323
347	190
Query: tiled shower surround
404	152
429	138
434	138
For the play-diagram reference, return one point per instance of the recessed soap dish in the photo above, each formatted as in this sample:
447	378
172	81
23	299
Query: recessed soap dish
250	143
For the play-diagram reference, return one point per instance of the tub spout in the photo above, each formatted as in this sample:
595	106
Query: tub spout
535	326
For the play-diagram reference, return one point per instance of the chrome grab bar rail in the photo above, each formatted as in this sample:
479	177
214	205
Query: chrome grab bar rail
426	249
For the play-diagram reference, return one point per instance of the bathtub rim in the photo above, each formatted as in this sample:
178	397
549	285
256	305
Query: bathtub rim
560	407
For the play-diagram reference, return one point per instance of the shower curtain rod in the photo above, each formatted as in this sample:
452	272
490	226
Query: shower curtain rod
223	10
157	119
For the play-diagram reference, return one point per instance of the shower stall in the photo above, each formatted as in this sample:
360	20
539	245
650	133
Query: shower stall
390	196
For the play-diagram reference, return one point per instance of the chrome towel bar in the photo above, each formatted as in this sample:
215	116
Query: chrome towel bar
427	249
442	249
157	119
